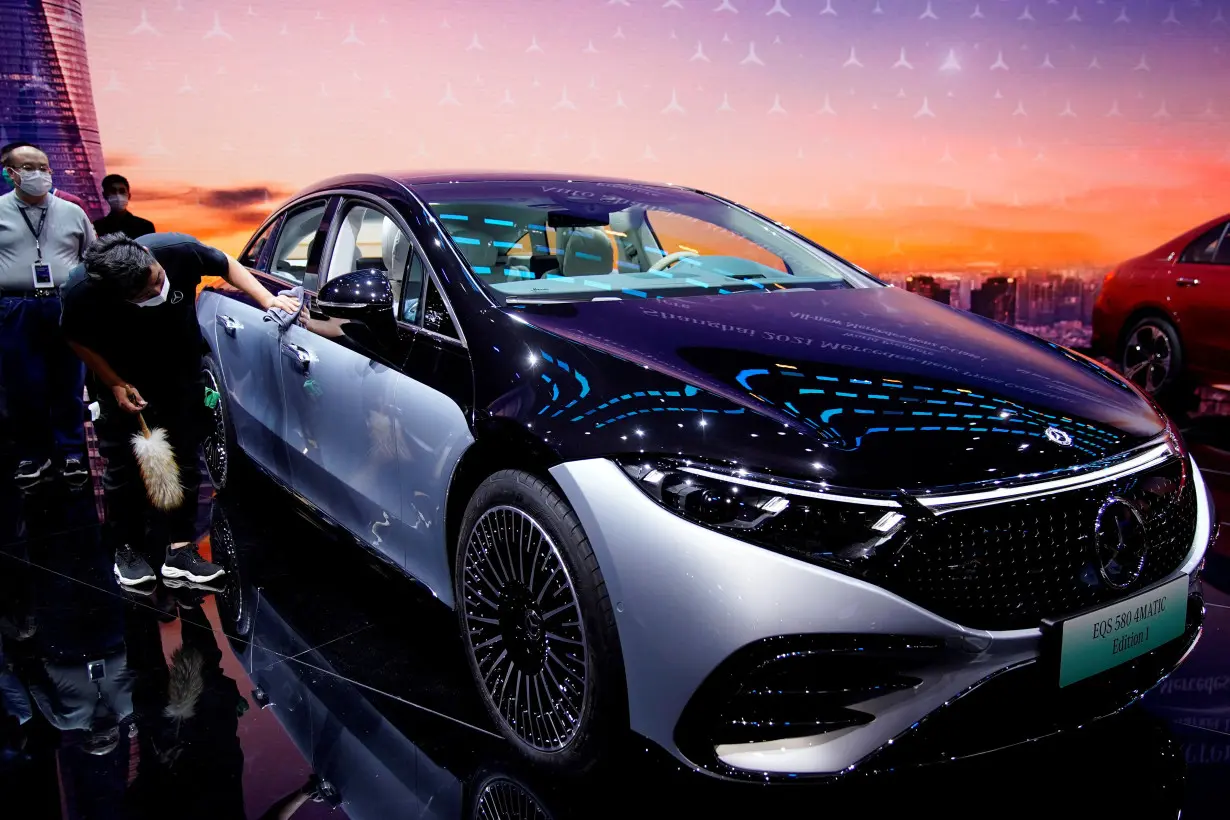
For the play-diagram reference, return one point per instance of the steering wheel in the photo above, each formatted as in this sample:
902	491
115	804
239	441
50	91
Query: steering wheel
670	259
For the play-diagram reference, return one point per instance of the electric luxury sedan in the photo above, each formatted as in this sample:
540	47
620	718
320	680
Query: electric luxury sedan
682	471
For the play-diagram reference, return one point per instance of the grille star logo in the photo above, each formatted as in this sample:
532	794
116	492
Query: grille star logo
1058	436
1121	542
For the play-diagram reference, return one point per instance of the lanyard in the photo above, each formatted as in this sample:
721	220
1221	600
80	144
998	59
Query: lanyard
38	232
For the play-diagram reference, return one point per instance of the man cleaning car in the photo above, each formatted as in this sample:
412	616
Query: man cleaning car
130	314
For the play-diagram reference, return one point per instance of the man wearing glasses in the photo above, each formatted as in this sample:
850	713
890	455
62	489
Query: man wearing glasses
42	238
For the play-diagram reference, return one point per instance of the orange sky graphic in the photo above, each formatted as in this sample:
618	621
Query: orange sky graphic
1011	140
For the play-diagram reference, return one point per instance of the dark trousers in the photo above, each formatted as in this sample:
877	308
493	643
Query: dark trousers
130	517
41	382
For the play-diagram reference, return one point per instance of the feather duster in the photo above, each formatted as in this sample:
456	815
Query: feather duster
185	685
156	458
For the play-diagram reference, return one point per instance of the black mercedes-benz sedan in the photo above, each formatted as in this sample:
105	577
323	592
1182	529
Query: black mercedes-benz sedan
682	471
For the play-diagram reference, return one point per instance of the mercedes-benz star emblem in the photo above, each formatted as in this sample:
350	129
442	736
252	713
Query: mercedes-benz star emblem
1121	543
1058	436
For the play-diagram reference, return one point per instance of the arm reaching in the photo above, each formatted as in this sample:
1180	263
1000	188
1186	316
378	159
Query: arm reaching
242	278
126	396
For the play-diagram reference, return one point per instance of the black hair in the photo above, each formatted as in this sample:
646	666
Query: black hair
13	146
113	179
120	264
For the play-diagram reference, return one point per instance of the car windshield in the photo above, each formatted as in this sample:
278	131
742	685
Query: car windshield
548	241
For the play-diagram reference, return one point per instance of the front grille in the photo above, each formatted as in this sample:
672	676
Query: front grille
1011	565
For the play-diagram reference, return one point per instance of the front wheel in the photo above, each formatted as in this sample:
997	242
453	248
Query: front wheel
218	444
537	622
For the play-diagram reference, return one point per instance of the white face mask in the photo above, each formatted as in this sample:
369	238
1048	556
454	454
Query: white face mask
35	183
117	202
154	301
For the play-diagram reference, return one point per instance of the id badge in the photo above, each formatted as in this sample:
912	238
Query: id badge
42	276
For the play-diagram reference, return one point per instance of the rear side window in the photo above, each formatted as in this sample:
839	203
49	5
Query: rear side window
1204	250
252	256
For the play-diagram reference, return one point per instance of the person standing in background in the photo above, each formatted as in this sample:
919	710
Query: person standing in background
42	238
56	192
117	192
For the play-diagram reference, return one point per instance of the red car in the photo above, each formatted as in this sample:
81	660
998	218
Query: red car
1164	317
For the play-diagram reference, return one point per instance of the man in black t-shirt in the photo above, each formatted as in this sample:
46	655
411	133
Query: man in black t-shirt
130	314
116	190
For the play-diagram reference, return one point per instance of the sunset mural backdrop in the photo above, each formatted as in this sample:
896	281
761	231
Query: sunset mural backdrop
905	134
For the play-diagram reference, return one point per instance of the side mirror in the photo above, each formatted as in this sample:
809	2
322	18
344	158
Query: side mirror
357	295
363	297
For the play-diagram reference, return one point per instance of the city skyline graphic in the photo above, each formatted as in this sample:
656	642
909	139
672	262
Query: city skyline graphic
908	135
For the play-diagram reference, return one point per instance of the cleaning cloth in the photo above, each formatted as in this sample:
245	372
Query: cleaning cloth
283	318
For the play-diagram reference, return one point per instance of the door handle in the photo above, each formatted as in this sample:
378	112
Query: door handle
301	356
1185	282
229	326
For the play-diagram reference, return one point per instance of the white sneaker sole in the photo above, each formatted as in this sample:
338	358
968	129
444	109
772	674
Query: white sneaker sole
132	582
172	572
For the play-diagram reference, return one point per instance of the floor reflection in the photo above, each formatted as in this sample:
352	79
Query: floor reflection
318	683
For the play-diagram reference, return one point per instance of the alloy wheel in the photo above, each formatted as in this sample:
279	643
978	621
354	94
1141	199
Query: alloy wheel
214	445
524	628
1147	358
504	799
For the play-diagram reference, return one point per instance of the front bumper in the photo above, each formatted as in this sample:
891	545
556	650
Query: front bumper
695	608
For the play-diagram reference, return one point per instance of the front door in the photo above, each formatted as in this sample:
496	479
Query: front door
243	345
343	425
1200	299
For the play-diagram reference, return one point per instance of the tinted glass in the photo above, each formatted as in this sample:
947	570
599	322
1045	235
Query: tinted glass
368	239
548	241
435	313
295	243
253	253
412	289
1204	249
1223	250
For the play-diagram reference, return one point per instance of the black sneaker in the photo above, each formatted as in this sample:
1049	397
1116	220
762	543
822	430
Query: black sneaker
131	570
187	564
31	473
75	471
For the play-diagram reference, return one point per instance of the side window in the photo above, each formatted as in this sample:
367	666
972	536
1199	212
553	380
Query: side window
299	230
435	314
368	239
412	289
1223	249
1204	250
252	255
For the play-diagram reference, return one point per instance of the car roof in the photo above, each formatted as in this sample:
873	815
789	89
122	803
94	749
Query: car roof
414	179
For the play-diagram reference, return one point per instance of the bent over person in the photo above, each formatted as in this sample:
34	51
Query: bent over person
130	314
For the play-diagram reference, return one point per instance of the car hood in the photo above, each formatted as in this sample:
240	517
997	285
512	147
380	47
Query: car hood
882	388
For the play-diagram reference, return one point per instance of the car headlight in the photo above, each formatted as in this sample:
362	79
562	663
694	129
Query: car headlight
799	519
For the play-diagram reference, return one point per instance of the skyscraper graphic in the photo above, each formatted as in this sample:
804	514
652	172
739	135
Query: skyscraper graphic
45	93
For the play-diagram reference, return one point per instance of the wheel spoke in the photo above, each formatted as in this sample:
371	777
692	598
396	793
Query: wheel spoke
509	568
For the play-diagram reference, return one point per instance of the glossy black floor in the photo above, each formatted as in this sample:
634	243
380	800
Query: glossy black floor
317	665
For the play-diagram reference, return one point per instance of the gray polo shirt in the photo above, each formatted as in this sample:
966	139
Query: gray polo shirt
66	235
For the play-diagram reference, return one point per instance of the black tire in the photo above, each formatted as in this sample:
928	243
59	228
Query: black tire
519	628
1151	357
222	454
235	604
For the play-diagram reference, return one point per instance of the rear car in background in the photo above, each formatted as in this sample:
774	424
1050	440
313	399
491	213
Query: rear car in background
1164	317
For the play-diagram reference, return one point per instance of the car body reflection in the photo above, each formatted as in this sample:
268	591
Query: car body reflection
370	768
